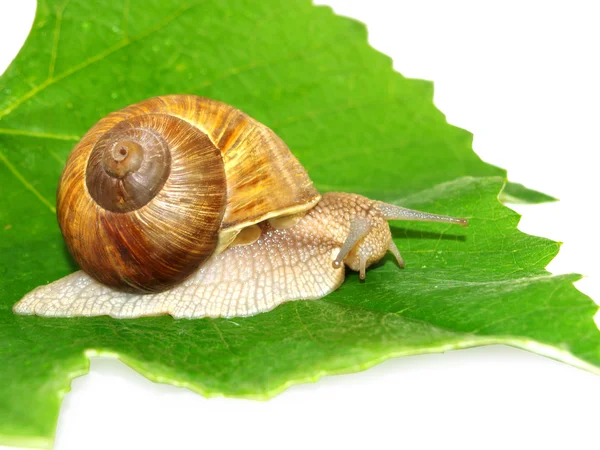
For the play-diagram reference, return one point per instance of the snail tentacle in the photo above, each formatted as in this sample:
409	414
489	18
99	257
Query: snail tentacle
393	248
359	227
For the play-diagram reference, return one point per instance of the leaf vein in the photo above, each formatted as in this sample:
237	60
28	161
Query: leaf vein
26	183
222	338
125	21
59	15
39	134
302	323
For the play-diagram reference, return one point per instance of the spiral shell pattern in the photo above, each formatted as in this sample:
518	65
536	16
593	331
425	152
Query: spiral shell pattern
149	228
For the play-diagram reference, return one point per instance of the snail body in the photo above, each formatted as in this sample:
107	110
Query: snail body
186	206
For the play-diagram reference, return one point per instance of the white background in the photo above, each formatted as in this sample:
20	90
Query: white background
523	76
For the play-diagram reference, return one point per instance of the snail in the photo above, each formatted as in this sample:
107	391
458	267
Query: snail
187	206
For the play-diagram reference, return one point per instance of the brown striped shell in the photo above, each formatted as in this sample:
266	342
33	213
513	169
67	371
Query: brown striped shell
155	189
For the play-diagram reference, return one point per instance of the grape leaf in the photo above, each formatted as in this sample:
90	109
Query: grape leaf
354	123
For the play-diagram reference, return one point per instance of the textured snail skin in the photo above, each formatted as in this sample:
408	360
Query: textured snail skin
282	265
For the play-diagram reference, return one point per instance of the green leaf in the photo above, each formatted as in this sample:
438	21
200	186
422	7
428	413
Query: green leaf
354	123
517	193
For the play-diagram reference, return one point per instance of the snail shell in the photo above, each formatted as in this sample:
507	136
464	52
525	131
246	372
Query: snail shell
154	190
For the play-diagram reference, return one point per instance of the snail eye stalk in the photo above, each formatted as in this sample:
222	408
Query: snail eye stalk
393	212
359	227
